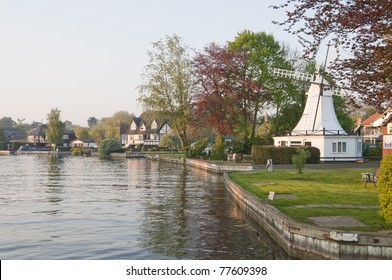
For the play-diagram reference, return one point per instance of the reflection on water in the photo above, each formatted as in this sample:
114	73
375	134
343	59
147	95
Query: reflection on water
87	208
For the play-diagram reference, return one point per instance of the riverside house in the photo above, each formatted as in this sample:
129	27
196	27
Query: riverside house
142	133
38	136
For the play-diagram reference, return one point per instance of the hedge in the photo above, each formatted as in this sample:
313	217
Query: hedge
281	155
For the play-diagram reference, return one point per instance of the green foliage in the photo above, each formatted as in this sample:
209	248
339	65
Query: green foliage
169	141
299	159
77	151
55	129
218	148
384	184
167	84
343	113
281	155
196	149
108	146
372	152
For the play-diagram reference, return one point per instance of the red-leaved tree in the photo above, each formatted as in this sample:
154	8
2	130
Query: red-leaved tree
362	29
225	94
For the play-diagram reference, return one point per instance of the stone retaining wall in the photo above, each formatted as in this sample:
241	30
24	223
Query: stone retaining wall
305	241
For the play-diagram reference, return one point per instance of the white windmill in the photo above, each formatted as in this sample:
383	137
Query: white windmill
319	126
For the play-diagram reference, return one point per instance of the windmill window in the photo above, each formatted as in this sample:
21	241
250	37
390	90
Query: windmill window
295	143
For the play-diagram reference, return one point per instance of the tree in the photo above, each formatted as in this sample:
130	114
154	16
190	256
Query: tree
169	141
384	184
55	128
299	159
97	133
264	54
360	28
92	121
82	133
167	84
7	122
216	73
112	125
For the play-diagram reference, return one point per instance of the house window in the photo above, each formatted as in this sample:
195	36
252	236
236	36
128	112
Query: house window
308	144
339	147
295	143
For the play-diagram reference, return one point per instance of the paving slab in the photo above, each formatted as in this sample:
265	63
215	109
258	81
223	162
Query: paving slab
337	221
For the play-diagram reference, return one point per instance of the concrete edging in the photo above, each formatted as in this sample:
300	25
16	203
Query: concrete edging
305	241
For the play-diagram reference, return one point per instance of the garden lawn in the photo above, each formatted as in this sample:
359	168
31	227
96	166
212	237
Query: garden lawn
315	193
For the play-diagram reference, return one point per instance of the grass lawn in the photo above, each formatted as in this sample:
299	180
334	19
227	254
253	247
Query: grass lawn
342	188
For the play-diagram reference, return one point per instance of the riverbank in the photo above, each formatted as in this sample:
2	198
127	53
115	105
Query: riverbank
299	240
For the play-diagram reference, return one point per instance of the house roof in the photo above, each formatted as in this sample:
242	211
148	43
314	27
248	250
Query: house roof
38	131
384	118
14	134
370	120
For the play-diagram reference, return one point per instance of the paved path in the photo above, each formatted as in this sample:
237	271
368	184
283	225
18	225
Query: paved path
336	206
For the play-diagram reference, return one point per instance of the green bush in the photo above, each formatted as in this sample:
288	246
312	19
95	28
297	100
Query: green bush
218	148
384	184
299	159
108	146
77	151
372	152
281	155
197	148
169	142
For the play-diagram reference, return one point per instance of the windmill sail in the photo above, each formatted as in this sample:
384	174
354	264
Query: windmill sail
319	117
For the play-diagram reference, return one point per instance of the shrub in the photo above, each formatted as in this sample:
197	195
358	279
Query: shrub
197	148
384	184
77	151
169	142
372	152
218	148
281	155
108	146
299	159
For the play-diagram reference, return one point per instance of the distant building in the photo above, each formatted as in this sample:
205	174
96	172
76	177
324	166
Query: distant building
14	134
371	133
385	123
141	133
38	136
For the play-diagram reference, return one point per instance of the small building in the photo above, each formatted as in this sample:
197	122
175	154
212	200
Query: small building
141	133
385	123
83	144
371	134
38	136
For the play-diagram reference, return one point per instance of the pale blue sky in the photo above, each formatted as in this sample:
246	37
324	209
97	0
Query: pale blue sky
86	57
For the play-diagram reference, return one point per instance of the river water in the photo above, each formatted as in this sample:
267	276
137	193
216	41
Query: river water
87	208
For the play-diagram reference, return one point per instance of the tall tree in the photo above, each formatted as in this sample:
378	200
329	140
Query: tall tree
112	125
264	53
55	129
363	29
216	72
7	122
92	121
167	84
82	133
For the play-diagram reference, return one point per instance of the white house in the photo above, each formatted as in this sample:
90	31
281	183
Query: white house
319	127
141	133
